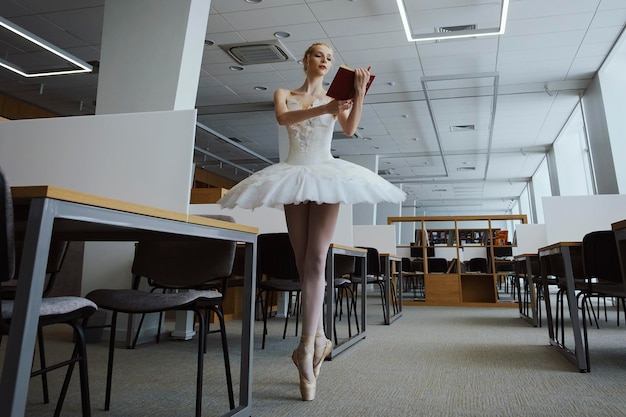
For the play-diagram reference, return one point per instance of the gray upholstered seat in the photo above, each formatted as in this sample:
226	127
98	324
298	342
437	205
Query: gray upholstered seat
53	306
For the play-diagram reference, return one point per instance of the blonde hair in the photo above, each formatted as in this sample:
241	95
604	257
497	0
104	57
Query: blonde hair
309	51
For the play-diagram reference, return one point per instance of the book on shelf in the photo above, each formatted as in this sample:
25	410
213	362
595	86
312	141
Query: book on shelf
342	86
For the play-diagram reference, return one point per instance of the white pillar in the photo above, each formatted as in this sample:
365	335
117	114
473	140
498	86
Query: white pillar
150	55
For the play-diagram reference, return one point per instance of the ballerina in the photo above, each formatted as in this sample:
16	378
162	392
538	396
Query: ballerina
310	184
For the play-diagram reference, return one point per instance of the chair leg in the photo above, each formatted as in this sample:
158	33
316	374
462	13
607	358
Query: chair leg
107	396
298	300
229	379
289	305
78	355
42	362
200	369
585	338
264	307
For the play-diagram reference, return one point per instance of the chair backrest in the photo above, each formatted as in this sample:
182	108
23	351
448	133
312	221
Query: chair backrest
600	257
478	265
275	257
406	265
373	262
437	265
7	249
185	264
344	265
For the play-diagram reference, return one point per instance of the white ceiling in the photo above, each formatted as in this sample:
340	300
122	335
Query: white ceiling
558	44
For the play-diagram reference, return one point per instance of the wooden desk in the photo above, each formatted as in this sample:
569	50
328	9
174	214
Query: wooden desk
360	255
43	212
619	230
525	269
563	260
391	299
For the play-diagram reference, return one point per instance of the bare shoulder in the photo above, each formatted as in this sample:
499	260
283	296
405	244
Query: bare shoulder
282	94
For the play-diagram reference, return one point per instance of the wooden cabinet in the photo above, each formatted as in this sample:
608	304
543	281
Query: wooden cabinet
475	250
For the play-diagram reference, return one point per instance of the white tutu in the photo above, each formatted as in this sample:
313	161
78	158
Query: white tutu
310	173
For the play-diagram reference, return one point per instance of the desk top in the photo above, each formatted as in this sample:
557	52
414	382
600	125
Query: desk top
347	248
619	225
556	247
46	191
523	256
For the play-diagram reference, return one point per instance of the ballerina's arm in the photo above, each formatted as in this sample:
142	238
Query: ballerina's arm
285	116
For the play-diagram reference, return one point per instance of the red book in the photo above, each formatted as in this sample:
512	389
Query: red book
342	86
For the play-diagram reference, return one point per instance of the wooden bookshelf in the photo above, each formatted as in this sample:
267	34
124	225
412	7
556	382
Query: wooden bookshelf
461	238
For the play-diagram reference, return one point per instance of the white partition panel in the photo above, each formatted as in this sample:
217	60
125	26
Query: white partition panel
529	238
381	237
144	158
570	218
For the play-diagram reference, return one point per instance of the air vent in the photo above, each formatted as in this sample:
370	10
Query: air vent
264	52
461	128
448	29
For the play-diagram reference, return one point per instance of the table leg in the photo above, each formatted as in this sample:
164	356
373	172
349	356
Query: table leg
21	341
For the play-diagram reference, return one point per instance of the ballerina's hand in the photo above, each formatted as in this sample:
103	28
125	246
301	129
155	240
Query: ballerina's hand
362	76
338	106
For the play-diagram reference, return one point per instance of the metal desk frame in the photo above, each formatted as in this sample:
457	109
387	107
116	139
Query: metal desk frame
523	270
360	255
563	250
389	260
78	221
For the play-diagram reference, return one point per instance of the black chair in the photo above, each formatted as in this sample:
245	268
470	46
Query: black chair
437	265
156	286
373	276
603	275
413	281
277	272
188	268
345	267
478	265
73	311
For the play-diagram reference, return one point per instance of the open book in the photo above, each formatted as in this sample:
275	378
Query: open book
342	86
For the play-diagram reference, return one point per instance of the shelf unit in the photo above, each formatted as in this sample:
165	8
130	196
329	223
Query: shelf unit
458	239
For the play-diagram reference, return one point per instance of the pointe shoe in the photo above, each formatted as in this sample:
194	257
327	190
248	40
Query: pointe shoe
328	348
307	388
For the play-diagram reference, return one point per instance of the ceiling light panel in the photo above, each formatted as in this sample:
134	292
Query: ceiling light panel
31	56
425	20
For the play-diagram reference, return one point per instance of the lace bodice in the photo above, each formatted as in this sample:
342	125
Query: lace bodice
309	140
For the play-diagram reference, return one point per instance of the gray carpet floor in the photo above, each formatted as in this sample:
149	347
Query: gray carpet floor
433	361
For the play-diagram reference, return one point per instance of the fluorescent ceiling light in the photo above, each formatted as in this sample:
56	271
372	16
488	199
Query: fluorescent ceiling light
456	34
79	66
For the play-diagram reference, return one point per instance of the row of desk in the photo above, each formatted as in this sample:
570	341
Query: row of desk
538	271
45	212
